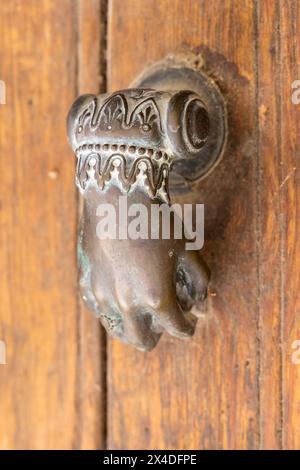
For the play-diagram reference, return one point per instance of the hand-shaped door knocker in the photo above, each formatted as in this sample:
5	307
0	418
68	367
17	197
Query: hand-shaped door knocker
131	145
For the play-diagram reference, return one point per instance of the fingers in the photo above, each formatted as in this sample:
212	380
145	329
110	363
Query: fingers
166	308
176	322
138	328
192	279
142	330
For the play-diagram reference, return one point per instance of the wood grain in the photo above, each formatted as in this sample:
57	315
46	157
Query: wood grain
203	394
234	386
91	45
289	14
91	369
269	233
47	388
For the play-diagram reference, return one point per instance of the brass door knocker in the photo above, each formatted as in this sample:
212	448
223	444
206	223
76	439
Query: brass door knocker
133	148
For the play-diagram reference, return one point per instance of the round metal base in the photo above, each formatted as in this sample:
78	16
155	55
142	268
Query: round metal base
188	170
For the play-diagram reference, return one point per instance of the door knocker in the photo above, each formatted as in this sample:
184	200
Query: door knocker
133	148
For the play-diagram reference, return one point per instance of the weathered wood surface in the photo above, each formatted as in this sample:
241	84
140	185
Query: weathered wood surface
234	386
50	390
91	368
289	14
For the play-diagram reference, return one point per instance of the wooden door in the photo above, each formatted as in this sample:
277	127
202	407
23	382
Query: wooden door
236	384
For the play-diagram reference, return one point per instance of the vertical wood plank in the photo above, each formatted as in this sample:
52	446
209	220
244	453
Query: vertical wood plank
290	190
269	223
38	277
42	388
92	340
202	394
91	44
